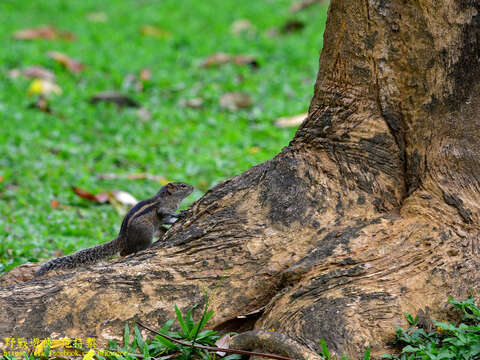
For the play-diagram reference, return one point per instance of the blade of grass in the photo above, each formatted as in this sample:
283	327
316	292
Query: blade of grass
181	321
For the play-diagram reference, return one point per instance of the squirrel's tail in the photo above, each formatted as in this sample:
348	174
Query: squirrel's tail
82	257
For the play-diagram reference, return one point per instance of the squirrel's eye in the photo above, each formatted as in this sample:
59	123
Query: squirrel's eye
183	185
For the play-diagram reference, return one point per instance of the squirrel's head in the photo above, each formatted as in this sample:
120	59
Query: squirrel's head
176	189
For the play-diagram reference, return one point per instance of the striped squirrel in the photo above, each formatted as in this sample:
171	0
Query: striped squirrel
141	223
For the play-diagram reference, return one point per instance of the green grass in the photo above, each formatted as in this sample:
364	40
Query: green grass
41	155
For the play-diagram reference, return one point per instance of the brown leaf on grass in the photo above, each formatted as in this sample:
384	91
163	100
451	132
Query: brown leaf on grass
195	103
14	73
273	32
110	176
43	87
253	150
287	28
223	58
216	59
138	83
101	198
97	17
43	32
122	197
32	72
56	205
137	176
246	60
73	65
145	74
303	4
140	176
41	104
242	26
131	81
292	26
144	114
114	97
235	100
154	31
122	201
290	121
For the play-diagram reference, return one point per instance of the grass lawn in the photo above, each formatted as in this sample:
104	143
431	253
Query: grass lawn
42	156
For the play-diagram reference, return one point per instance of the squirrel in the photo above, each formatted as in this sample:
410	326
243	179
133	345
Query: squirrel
139	226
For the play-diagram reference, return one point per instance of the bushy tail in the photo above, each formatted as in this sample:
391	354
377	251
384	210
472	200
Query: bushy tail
82	257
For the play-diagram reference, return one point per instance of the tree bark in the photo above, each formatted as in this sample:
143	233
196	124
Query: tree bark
370	212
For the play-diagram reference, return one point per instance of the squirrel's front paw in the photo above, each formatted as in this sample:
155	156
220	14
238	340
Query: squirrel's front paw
182	214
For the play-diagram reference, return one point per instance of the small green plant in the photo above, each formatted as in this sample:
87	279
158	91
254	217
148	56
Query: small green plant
326	353
449	341
190	333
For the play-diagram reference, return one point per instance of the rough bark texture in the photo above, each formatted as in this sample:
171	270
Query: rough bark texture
370	212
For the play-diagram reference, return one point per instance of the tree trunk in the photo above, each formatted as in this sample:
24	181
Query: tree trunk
370	212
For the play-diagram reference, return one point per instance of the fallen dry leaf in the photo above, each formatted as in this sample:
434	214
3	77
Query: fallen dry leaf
41	104
242	26
110	176
1	178
216	59
114	97
43	32
143	114
131	81
290	121
195	103
97	17
101	198
223	58
224	343
43	87
145	74
273	32
137	83
154	31
235	100
121	201
303	4
14	73
292	26
246	60
138	176
56	205
32	72
73	65
287	28
123	197
253	150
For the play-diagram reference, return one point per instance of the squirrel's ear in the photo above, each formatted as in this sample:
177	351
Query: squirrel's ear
170	187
